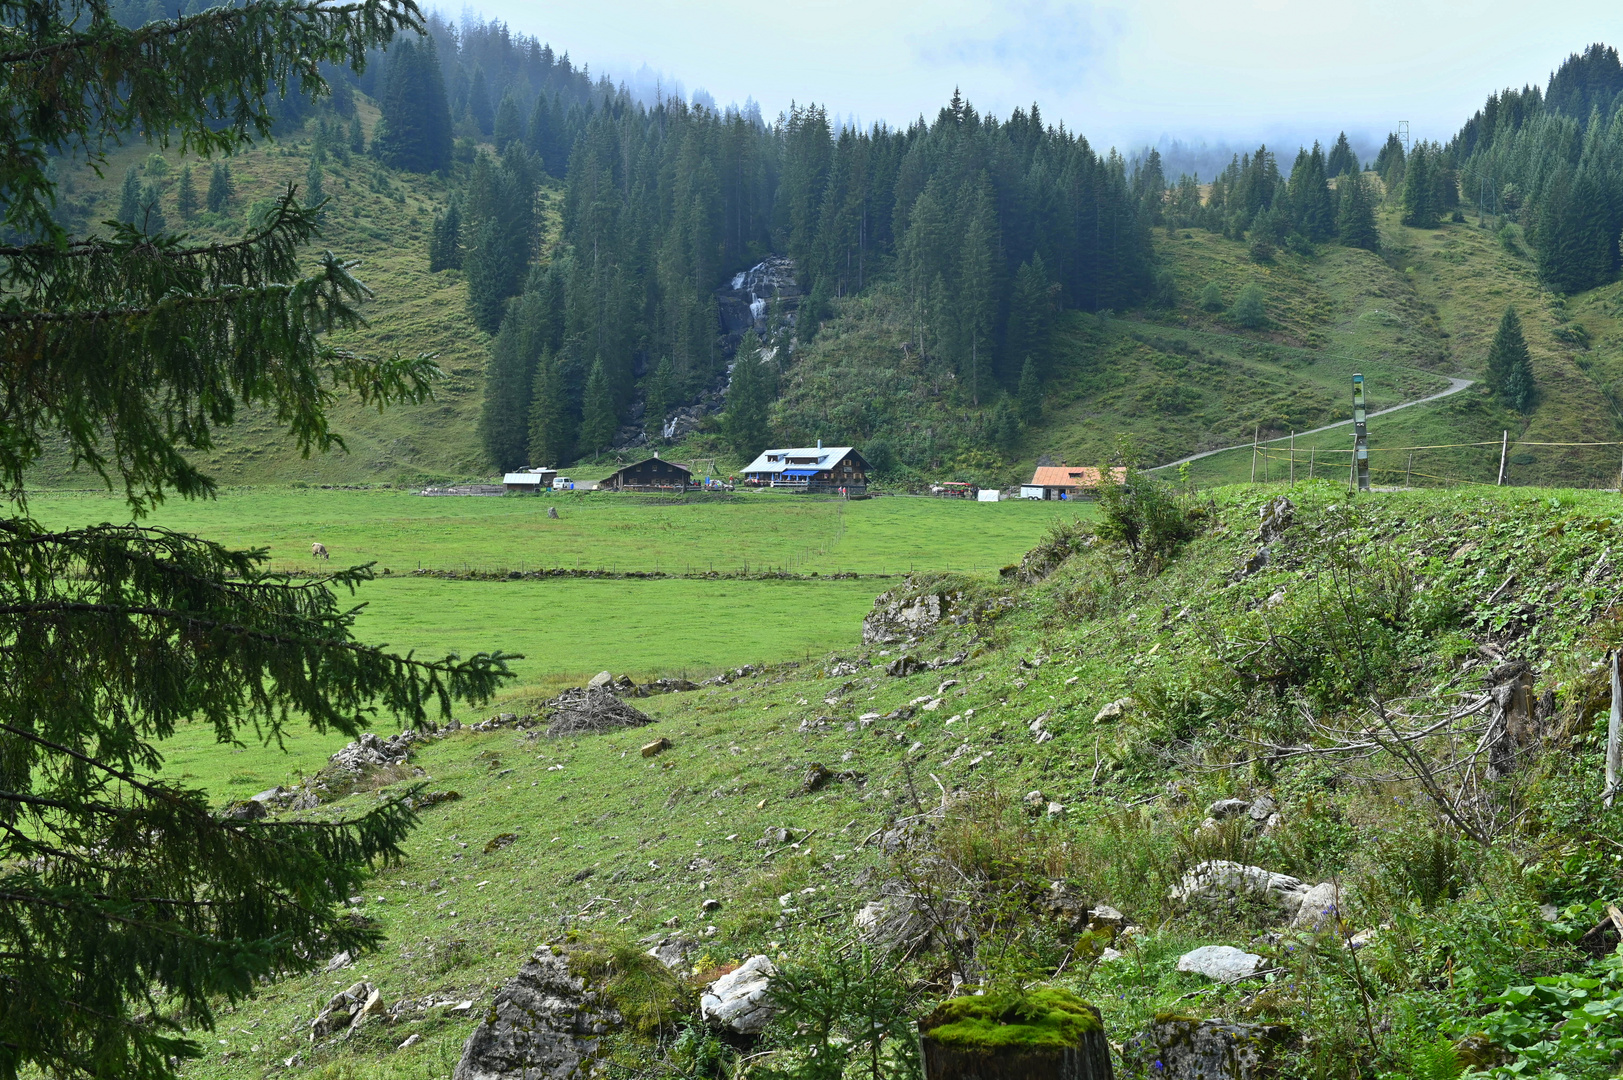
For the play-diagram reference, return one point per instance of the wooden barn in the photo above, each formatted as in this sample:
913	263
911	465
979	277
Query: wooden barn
650	474
833	470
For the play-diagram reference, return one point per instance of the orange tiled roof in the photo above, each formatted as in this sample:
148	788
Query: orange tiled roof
1071	476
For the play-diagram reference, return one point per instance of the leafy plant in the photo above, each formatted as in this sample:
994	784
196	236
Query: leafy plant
843	1014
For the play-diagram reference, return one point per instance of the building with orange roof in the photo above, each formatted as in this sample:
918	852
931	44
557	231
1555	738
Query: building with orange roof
1065	481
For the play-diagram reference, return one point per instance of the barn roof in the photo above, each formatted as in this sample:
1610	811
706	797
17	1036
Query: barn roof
798	458
1071	476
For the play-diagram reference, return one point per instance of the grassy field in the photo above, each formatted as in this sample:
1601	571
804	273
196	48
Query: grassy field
757	531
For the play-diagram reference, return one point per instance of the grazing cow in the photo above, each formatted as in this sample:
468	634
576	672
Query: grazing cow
319	551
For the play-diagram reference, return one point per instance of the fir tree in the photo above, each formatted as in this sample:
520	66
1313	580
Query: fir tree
1310	197
509	123
1004	425
479	108
131	910
415	133
445	240
1341	160
186	195
1033	307
551	431
1030	393
1510	365
314	188
504	420
357	135
1420	209
150	219
221	188
501	218
599	421
1389	163
1355	224
657	398
129	198
744	421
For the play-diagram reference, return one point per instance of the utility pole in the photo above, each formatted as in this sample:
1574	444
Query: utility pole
1403	133
1361	431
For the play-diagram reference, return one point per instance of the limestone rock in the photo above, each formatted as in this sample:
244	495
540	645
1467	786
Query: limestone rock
543	1025
371	752
1184	1048
672	950
1114	711
600	680
1219	883
1320	908
894	921
346	1010
740	1000
1227	808
1220	963
898	616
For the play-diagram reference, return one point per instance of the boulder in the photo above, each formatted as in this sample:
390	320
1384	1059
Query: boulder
1114	710
1227	808
739	1001
1185	1048
1220	963
601	679
1218	883
1066	907
1262	808
895	921
903	666
371	752
543	1025
672	950
346	1010
1320	908
901	616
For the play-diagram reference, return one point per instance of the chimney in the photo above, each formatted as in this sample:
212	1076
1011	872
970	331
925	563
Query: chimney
819	444
656	455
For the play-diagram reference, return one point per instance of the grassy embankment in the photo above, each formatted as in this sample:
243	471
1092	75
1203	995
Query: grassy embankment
610	841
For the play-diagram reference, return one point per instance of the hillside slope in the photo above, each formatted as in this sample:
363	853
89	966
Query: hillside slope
1229	684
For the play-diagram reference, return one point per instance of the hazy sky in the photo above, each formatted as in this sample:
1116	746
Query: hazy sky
1121	73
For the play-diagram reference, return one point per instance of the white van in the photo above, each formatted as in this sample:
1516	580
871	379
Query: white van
562	483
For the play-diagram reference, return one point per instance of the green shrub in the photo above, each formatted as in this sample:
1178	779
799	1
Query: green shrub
1211	297
838	1013
1249	310
1144	514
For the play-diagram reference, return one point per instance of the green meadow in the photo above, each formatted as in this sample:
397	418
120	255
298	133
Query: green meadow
568	629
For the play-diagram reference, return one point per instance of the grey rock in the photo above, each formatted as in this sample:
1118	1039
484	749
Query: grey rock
602	678
371	751
1262	807
1114	711
672	950
1276	516
1227	808
740	1001
1219	883
1184	1048
1320	908
895	921
543	1025
898	616
1220	963
346	1010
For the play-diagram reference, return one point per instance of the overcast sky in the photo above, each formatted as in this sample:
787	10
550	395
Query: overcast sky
1121	73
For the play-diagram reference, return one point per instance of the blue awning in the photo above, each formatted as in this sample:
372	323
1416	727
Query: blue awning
800	474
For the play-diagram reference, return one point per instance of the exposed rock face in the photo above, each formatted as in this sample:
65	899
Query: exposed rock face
543	1025
739	1001
1184	1048
1219	883
900	616
1220	963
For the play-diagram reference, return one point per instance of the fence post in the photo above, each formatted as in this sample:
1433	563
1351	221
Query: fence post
1293	458
1614	729
1254	435
1312	458
1504	447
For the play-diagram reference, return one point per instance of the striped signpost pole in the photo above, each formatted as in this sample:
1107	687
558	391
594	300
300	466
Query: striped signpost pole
1360	435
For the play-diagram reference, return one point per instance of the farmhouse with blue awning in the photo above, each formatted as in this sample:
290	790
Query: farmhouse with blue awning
827	469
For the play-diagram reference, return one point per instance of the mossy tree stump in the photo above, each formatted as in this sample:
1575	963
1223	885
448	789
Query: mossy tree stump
1041	1035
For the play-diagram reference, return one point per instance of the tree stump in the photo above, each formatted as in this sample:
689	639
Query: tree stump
1047	1034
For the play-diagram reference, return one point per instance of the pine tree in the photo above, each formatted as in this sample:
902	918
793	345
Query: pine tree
509	123
657	398
1341	160
1510	365
357	136
552	433
745	420
1355	224
445	240
186	195
1389	163
479	108
504	419
1030	393
501	219
131	911
129	198
1310	197
1033	306
415	132
314	188
221	188
1420	209
599	422
150	219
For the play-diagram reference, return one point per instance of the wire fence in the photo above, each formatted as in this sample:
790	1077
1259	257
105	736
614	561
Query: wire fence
1486	463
